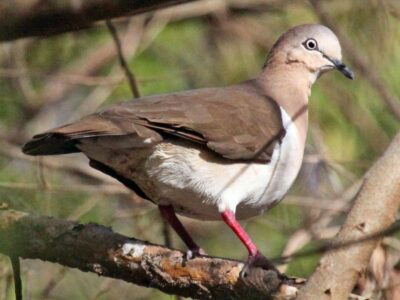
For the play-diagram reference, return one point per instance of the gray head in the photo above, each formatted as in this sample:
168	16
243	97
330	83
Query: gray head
312	45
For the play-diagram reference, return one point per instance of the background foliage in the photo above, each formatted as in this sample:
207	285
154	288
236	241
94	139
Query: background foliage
47	82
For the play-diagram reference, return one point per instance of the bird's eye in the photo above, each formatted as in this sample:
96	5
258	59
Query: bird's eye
310	44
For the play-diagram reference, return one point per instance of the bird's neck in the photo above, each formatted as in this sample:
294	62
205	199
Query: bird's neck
289	85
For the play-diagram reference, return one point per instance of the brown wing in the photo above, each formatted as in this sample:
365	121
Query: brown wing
237	122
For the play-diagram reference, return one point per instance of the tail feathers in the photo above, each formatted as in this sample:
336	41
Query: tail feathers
63	140
50	143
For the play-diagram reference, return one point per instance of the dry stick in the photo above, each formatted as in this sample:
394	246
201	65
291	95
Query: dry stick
129	75
338	245
360	62
373	212
95	248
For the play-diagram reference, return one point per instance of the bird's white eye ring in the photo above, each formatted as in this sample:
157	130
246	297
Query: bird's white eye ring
310	44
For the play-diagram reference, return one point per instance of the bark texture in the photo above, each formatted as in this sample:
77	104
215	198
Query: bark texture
374	211
95	248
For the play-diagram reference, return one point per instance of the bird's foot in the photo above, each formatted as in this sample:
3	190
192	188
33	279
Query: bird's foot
258	261
195	252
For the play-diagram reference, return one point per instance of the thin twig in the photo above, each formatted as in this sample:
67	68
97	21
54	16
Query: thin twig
41	174
129	75
330	246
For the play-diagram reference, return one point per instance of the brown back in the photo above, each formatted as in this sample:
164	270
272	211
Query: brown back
237	122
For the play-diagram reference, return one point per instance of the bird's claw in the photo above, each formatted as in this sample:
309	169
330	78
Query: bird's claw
257	261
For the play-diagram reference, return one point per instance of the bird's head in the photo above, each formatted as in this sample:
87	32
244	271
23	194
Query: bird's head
313	46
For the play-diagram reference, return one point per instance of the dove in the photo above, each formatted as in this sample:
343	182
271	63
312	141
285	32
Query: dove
220	153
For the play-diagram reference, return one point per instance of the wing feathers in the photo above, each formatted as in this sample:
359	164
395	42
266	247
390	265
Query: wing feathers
236	122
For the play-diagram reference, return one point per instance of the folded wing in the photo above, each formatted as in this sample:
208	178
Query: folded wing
236	122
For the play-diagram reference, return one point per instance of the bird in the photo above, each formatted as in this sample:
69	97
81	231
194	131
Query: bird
217	153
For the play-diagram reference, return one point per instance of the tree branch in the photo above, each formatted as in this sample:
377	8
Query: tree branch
373	212
95	248
42	18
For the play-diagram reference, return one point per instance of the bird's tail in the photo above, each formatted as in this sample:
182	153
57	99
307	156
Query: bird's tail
64	140
50	143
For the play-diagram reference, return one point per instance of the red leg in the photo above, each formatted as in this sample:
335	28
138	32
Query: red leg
230	219
168	213
255	257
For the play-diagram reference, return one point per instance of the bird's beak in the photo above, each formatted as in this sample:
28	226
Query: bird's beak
342	68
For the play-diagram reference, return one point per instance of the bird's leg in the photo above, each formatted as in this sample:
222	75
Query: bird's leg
255	259
168	213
